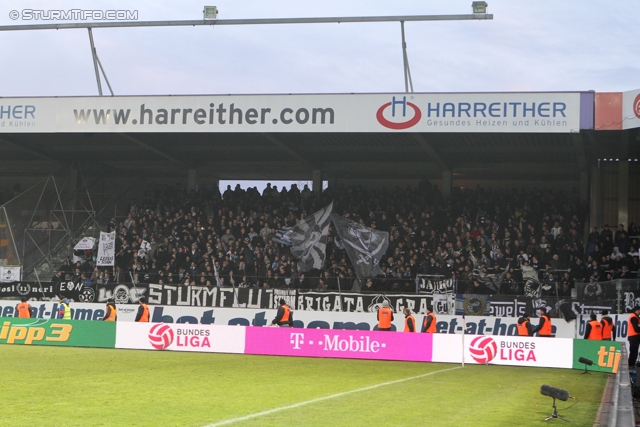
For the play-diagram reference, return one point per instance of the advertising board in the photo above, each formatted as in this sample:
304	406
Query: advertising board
57	332
163	336
605	355
376	345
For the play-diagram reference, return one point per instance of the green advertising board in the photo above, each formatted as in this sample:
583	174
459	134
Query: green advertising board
604	354
72	333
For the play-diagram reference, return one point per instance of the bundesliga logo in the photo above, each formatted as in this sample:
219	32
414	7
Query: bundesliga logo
161	336
483	349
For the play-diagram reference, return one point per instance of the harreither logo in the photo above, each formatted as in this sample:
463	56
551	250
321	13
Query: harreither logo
398	117
636	106
483	349
161	336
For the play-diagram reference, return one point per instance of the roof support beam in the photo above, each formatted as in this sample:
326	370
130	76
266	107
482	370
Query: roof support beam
432	153
31	151
154	150
282	146
578	146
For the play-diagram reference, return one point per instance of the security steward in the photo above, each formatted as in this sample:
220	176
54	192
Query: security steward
385	317
64	311
594	329
111	314
544	328
23	309
429	322
608	327
409	321
633	335
143	311
284	316
525	329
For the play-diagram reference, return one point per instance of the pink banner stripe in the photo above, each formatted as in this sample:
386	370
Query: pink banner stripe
349	344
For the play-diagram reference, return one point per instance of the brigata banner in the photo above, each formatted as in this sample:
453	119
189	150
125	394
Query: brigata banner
376	345
504	350
418	112
57	332
162	336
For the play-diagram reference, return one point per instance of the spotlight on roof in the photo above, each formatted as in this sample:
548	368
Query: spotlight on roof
210	12
479	6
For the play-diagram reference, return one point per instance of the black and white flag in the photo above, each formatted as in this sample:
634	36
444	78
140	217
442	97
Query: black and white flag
365	246
309	239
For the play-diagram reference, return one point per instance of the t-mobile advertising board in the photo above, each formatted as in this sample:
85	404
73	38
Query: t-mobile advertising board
376	345
185	337
504	350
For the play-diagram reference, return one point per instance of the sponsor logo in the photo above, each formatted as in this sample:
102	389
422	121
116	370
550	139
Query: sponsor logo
87	295
399	106
161	336
31	334
609	358
483	349
363	344
636	106
23	288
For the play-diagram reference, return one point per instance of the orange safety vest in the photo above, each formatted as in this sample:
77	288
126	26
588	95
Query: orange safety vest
523	329
596	330
630	331
113	314
432	328
406	323
546	330
24	310
607	328
286	315
384	318
145	313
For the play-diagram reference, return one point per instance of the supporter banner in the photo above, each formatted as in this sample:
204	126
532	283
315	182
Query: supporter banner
44	291
162	336
605	355
10	274
518	351
473	305
334	301
85	244
201	296
121	293
431	285
420	112
57	332
106	249
339	344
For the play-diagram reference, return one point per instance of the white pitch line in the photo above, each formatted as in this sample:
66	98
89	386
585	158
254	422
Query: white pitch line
320	399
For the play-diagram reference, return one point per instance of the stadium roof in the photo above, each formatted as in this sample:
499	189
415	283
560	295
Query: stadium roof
551	136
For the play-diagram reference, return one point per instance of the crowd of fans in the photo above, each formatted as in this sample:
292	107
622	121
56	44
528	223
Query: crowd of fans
205	238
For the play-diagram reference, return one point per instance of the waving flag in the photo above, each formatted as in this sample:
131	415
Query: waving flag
309	239
365	246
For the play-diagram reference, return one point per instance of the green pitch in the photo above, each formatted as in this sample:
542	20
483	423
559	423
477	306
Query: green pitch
95	387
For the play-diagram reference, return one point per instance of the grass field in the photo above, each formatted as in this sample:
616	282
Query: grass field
60	386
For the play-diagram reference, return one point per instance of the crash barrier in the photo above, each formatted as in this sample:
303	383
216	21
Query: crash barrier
617	297
445	324
351	344
616	408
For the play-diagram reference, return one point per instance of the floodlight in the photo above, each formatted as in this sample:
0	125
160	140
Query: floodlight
555	393
479	6
210	12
